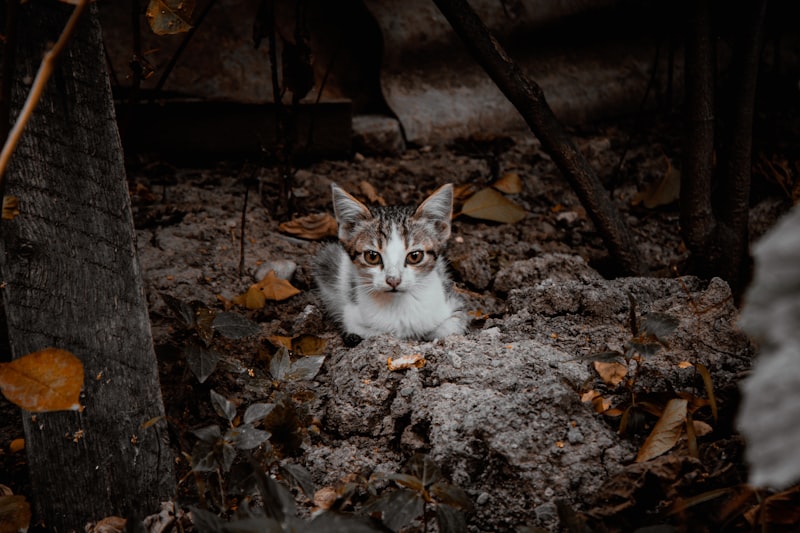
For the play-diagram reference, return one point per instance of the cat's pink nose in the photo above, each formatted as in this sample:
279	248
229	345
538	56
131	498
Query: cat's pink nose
393	282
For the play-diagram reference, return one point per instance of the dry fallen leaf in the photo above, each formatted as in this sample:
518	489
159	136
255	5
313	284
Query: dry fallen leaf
372	195
415	360
280	341
47	380
489	204
312	227
270	288
168	17
16	445
307	344
601	405
666	432
664	191
15	513
460	192
109	524
611	373
509	183
589	395
701	429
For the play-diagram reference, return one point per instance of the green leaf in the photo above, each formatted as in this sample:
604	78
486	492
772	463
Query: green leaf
424	468
489	204
451	495
666	432
305	368
246	437
205	521
257	411
450	519
659	325
299	477
234	326
280	364
222	406
398	508
202	361
208	433
182	310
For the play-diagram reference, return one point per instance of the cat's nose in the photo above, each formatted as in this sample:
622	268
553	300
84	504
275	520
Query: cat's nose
392	281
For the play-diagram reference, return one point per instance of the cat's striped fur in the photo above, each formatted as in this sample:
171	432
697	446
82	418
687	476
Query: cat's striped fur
387	273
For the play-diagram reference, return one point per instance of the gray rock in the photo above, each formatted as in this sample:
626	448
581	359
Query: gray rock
378	134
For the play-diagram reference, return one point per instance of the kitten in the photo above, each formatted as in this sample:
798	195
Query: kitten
387	273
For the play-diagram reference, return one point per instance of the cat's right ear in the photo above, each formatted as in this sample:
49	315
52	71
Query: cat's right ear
348	210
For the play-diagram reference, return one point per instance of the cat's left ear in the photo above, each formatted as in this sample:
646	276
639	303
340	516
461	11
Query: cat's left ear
438	208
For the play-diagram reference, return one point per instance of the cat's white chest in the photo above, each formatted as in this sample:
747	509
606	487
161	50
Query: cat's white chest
424	312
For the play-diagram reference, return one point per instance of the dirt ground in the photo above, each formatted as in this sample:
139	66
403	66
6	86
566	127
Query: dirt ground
189	227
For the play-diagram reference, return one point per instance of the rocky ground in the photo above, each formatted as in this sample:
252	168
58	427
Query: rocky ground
511	411
530	428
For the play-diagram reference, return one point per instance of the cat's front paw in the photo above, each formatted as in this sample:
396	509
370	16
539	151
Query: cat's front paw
351	340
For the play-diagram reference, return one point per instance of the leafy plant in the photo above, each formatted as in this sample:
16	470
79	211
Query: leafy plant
422	494
673	409
204	323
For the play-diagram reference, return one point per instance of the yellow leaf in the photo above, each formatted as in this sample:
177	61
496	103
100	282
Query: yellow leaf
168	17
280	341
666	432
308	345
10	207
313	227
275	288
16	445
47	380
509	183
611	373
489	204
415	360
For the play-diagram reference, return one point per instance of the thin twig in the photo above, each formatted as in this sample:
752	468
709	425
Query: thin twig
39	83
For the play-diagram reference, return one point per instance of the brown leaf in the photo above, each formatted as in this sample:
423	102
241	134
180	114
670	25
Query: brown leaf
460	192
17	445
611	373
372	195
168	17
489	204
47	380
252	299
308	345
664	191
312	227
15	513
509	183
280	341
10	207
666	432
275	288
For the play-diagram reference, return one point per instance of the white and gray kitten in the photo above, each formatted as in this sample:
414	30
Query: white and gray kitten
387	273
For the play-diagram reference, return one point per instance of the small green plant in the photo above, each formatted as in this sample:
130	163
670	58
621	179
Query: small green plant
673	409
422	495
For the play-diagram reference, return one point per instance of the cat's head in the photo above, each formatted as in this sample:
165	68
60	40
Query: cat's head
394	248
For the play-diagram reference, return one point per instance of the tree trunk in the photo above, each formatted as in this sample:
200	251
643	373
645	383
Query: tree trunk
697	218
72	281
529	100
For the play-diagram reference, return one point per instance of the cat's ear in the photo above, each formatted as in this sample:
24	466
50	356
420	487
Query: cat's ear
348	211
438	208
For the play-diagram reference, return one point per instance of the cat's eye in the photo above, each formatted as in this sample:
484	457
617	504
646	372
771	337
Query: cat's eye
371	257
415	257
